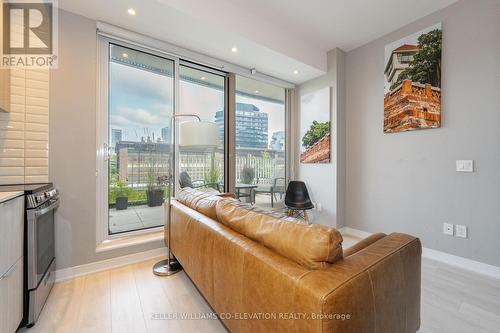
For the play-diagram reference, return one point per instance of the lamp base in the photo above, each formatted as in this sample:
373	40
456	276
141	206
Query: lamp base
162	268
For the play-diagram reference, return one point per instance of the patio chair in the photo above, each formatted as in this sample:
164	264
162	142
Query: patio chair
277	187
185	181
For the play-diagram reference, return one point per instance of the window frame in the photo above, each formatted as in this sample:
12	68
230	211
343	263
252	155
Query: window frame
107	34
225	76
289	95
103	237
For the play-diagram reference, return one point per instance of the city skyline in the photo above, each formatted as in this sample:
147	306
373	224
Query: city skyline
141	103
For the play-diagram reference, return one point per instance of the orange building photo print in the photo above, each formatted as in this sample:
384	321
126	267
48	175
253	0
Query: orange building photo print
412	87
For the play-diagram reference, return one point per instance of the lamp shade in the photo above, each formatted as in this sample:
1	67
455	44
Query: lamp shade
199	134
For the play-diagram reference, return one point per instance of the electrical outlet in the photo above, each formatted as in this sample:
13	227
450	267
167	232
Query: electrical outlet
319	206
465	166
461	231
448	229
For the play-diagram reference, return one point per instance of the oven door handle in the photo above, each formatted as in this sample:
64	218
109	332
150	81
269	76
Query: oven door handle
47	209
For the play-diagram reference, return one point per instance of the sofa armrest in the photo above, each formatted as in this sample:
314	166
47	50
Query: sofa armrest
363	243
377	288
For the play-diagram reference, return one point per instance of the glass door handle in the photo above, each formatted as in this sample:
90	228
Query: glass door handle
105	152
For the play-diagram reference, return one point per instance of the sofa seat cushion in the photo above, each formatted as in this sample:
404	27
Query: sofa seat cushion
202	201
313	246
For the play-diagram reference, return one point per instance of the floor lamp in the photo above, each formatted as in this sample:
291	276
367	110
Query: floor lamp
192	134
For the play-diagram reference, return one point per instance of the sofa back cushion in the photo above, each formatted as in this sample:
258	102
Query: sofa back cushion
311	245
201	201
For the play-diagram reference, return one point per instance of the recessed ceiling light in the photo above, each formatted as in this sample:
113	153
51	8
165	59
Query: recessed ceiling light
295	72
234	49
125	55
256	91
131	11
203	78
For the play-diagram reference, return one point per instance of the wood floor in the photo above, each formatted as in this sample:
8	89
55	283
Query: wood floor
131	299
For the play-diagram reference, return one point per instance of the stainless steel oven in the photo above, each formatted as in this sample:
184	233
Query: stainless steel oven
40	249
41	202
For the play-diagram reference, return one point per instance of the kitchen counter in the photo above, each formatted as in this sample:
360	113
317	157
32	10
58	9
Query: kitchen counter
5	196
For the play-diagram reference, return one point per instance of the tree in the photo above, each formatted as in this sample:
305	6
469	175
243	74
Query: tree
426	64
266	157
315	133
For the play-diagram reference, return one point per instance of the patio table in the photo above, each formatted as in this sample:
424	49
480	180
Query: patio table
249	194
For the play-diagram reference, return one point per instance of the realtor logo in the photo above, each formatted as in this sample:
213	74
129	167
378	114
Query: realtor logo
29	33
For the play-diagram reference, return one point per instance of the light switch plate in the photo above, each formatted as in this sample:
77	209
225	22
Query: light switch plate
461	231
465	165
448	229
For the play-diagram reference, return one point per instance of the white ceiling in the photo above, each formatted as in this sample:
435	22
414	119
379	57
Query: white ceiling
346	24
274	36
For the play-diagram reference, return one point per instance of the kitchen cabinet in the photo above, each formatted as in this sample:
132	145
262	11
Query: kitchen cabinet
11	298
11	261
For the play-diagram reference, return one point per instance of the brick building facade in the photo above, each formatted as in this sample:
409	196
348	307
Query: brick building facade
318	152
412	106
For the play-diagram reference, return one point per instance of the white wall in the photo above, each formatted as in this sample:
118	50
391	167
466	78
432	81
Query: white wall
407	182
326	182
73	144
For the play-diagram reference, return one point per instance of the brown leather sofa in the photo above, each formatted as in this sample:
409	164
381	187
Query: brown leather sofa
265	272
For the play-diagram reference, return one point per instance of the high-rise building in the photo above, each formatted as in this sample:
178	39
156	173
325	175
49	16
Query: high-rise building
165	134
251	126
116	136
278	141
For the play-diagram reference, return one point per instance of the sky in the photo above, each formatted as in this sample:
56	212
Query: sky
141	99
314	106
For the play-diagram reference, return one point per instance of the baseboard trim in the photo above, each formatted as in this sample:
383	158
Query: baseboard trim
463	263
98	266
443	257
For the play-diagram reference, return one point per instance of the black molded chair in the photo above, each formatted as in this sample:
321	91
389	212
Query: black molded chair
297	198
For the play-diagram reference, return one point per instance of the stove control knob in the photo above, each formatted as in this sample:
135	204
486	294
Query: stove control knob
51	193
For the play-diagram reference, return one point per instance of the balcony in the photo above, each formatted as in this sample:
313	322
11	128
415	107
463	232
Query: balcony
134	172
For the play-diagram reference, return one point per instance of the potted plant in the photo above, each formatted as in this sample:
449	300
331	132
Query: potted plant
212	177
122	192
247	175
154	193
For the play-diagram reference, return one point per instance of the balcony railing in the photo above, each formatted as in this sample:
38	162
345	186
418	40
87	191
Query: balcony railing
266	166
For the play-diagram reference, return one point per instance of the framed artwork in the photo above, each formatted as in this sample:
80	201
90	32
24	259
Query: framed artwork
315	128
412	81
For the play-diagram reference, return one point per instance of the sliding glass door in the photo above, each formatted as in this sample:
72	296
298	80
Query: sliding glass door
139	92
260	133
202	92
141	104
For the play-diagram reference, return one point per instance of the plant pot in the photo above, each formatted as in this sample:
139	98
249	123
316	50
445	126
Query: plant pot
121	203
155	197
